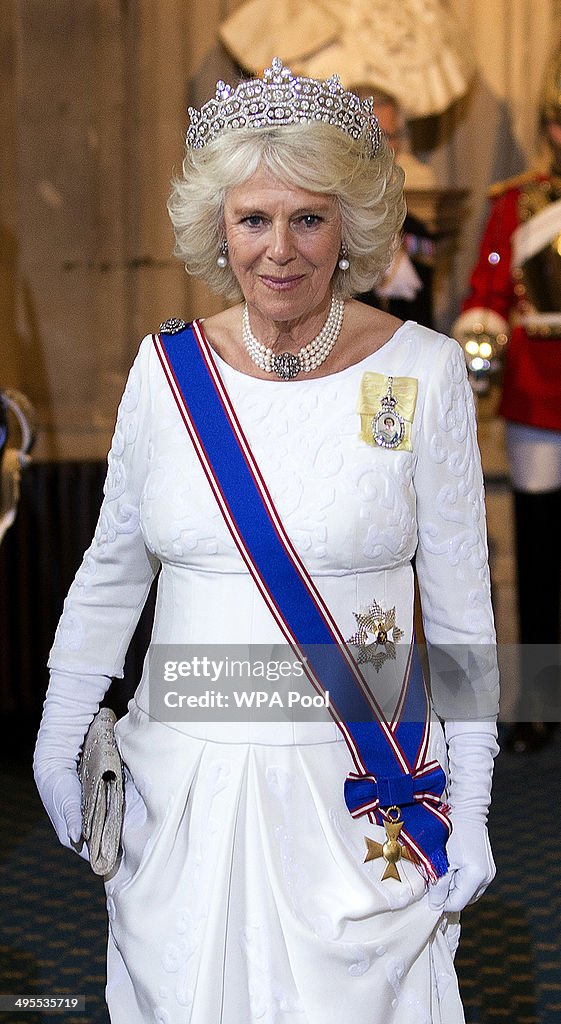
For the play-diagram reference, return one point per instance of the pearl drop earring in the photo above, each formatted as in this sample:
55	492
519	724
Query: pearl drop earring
344	262
222	259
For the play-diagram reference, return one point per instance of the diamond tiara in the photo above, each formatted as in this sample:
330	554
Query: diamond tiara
283	98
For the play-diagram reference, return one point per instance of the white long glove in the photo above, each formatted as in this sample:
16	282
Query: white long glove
70	704
471	749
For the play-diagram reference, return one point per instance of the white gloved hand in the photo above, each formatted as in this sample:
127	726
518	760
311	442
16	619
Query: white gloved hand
70	705
472	746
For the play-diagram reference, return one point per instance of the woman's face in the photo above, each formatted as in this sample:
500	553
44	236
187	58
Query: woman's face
283	246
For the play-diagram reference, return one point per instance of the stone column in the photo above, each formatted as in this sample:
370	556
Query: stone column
93	105
10	340
96	104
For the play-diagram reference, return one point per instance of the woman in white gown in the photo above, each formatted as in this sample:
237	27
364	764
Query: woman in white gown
242	894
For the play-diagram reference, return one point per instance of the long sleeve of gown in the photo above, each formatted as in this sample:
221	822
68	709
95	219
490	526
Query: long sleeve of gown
452	554
111	586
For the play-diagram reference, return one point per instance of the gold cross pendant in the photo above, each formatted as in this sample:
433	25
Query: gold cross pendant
391	850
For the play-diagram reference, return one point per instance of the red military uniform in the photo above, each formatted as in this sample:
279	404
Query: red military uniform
532	376
515	290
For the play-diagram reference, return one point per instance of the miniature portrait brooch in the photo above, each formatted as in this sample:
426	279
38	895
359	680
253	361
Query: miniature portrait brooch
386	406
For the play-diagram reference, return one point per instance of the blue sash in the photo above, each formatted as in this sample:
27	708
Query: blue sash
389	758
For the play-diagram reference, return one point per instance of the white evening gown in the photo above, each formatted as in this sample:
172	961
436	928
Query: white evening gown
242	896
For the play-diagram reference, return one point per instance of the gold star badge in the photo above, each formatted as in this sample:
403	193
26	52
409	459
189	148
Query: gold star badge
391	850
381	626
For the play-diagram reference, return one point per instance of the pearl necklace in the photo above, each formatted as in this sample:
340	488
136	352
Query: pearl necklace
289	364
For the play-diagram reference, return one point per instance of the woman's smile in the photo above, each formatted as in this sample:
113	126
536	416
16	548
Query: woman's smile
281	283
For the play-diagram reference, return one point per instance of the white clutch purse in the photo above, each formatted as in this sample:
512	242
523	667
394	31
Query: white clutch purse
100	770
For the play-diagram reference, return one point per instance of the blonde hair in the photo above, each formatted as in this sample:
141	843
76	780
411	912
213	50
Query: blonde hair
316	157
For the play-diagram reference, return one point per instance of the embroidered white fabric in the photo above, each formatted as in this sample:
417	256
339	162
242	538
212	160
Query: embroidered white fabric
242	894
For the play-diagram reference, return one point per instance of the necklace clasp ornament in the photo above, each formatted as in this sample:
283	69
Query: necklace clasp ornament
392	850
288	365
388	426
